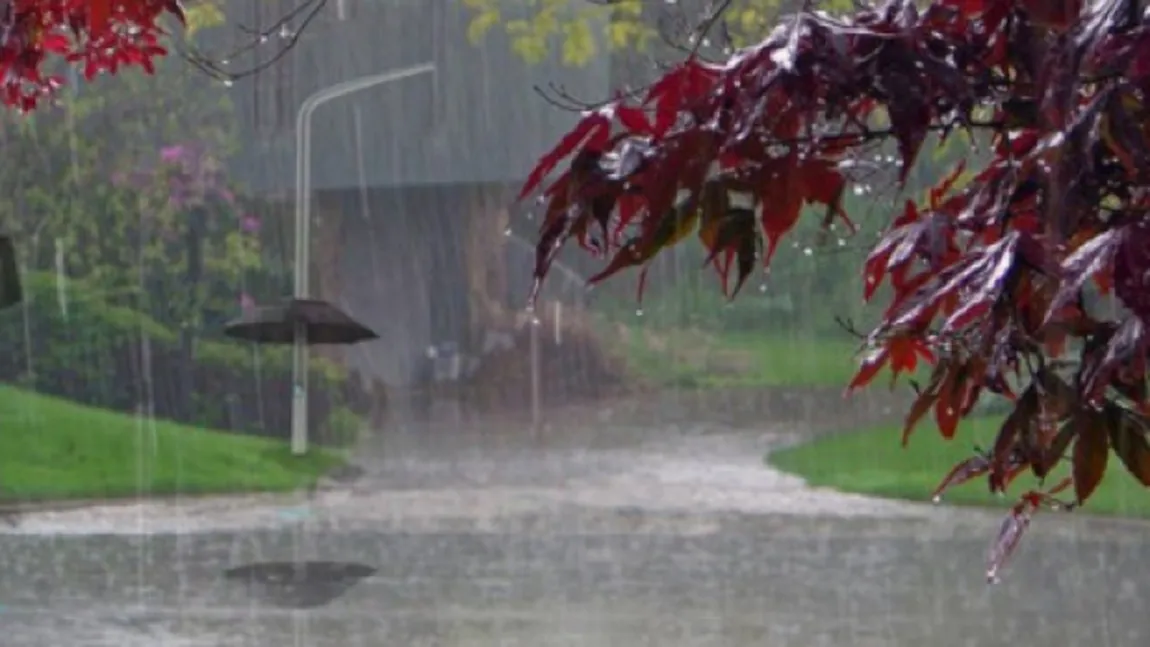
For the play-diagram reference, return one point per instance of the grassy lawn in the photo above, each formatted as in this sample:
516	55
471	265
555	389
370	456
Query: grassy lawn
873	462
55	449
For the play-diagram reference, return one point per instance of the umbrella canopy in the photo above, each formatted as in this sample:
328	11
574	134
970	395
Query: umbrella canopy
10	292
300	585
323	323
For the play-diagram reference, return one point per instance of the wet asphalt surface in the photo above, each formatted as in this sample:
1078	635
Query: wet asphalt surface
608	538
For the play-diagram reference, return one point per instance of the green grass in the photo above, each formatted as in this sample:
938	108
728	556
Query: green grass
873	462
55	449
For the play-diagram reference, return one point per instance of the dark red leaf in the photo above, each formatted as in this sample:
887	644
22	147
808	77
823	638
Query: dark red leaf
966	470
1009	535
746	257
633	119
946	410
1126	345
592	130
1054	451
1086	261
927	398
1091	449
1128	433
869	368
1004	455
99	15
631	254
782	201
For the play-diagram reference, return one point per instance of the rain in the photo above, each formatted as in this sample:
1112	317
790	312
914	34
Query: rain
268	376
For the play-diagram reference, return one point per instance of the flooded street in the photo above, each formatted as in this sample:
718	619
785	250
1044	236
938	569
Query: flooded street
618	536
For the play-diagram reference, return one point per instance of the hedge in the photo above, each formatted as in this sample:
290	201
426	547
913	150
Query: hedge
85	349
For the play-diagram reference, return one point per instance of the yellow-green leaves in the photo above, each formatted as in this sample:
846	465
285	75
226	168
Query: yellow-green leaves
486	17
579	29
578	43
202	15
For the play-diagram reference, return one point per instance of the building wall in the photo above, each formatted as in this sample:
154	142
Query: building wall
477	119
403	262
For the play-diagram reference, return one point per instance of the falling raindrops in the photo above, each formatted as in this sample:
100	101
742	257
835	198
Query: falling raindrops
61	279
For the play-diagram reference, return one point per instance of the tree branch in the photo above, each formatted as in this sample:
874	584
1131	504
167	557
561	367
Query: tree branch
214	66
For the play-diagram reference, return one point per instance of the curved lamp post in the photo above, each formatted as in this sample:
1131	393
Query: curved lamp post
303	227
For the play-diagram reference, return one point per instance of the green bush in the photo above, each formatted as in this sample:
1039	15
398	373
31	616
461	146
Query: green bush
343	427
77	346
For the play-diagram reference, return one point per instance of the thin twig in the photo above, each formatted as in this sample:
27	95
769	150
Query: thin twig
848	325
705	27
309	10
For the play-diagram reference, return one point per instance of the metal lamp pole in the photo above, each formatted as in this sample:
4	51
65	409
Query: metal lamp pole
303	227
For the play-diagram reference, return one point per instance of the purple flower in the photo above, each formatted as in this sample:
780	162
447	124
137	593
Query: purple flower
250	223
225	194
173	153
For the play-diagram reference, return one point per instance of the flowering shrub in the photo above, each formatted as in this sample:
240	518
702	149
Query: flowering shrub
186	202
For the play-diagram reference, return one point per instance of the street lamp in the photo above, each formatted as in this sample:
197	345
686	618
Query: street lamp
303	227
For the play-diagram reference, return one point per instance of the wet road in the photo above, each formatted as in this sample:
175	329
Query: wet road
671	538
798	581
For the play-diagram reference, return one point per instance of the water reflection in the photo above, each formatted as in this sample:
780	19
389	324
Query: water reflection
851	582
618	535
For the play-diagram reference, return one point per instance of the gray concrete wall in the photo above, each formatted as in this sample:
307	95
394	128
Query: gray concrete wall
478	119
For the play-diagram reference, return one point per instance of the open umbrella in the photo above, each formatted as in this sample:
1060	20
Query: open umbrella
323	323
10	292
300	585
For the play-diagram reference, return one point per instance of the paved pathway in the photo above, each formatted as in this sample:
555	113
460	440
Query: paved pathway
591	535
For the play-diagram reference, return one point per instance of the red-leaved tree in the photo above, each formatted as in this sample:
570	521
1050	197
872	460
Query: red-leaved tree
987	274
98	35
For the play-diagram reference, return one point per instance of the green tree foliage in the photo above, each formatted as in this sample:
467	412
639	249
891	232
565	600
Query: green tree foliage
581	29
85	190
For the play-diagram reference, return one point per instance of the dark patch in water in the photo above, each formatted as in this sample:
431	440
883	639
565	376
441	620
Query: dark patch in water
300	585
